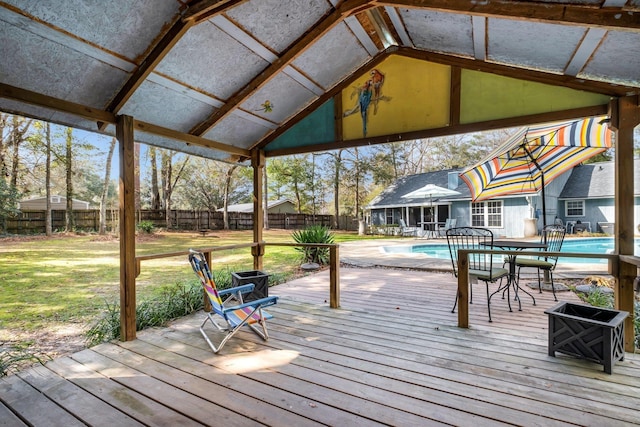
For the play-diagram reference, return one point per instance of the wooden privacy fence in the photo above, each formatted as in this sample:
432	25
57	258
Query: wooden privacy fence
33	222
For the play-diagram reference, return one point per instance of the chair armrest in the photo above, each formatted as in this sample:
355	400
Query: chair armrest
262	302
243	289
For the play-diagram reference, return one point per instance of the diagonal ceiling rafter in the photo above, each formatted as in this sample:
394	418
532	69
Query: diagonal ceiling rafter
459	62
194	14
584	15
206	9
327	23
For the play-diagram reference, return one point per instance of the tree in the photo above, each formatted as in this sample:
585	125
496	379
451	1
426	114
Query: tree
169	180
8	202
155	191
105	189
293	177
227	187
335	166
69	219
20	126
48	226
4	120
203	185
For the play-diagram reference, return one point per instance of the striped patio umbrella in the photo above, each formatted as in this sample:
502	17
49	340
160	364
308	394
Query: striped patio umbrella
535	156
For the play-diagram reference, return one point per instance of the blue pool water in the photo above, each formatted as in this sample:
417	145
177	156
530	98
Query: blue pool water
599	245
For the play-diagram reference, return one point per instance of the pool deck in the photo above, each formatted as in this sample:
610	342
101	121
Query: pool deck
370	253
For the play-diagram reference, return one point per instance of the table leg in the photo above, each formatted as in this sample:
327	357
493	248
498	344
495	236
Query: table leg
516	282
504	289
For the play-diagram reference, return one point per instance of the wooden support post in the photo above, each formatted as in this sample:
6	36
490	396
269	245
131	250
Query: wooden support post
463	289
124	134
625	115
334	277
258	163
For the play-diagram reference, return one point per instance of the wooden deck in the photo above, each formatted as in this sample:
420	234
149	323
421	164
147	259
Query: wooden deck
391	355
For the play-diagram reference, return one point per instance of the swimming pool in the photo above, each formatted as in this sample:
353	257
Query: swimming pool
598	245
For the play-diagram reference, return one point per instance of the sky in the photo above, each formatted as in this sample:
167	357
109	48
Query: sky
102	143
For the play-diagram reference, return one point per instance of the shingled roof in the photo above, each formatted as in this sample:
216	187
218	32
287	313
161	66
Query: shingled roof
595	180
392	195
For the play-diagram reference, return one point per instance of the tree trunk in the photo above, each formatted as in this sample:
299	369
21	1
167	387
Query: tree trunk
227	186
105	189
69	220
4	172
155	191
336	189
166	186
19	129
48	227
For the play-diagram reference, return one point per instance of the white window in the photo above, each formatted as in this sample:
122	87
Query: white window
574	208
389	214
487	214
55	199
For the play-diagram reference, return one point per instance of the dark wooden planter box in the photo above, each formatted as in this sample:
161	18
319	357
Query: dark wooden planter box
258	278
588	332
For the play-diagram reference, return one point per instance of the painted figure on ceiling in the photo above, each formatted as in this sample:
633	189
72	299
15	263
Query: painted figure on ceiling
370	91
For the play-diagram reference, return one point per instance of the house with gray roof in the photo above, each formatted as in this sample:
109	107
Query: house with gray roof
585	194
588	196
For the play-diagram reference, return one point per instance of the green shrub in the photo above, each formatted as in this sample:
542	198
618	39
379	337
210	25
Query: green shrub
314	234
597	298
172	302
145	226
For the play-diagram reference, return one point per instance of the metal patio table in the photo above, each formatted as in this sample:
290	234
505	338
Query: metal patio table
517	245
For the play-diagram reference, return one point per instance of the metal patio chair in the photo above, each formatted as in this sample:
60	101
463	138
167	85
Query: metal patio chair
232	310
552	236
480	265
448	224
407	231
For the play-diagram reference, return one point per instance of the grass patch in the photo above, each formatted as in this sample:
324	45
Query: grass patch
64	280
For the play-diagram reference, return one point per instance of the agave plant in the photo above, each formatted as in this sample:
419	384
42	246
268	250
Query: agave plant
314	234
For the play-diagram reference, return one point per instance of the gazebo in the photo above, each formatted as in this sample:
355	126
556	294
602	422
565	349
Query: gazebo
241	81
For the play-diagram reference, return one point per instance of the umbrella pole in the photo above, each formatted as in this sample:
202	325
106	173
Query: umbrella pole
535	163
544	204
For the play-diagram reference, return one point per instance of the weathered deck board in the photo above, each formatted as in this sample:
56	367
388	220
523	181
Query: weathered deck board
391	355
32	405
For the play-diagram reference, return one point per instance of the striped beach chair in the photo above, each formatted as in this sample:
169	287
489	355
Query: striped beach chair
229	313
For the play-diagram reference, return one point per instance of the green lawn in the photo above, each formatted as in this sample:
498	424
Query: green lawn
68	279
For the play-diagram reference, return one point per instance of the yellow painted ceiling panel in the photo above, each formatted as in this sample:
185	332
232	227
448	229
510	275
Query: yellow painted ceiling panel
488	96
399	95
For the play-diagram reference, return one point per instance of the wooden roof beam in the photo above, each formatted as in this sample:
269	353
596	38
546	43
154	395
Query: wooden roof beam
89	113
205	9
611	18
455	61
456	129
331	20
519	73
335	90
194	14
143	70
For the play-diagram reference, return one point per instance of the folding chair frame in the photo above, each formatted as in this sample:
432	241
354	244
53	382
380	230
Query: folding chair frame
235	316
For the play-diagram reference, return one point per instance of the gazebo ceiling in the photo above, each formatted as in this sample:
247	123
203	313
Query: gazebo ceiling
218	78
